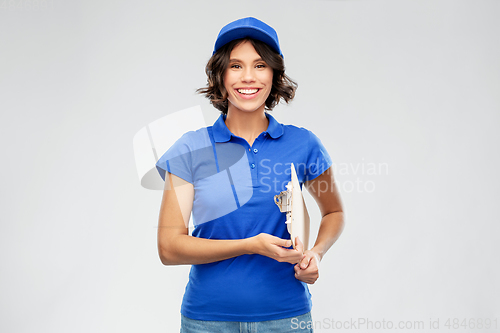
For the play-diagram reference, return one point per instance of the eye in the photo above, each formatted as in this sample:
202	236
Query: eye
235	66
261	66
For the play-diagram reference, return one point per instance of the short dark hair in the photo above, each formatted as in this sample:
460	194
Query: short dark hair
283	86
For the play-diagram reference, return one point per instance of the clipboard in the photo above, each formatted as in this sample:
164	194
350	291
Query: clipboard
292	203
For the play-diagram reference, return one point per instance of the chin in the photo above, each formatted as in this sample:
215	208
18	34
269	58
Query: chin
247	109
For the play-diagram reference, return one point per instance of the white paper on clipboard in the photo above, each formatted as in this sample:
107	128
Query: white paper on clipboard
292	203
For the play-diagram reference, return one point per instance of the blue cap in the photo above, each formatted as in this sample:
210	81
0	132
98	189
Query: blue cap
248	27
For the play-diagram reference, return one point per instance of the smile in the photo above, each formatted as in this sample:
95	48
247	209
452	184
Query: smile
247	91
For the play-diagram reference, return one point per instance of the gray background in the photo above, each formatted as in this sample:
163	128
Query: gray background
409	86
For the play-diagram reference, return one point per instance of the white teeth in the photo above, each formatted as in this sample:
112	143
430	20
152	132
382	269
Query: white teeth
247	91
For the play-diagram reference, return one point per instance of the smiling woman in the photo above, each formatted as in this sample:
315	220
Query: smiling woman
245	273
283	88
248	80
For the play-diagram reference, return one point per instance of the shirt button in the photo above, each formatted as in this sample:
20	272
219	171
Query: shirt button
252	165
255	150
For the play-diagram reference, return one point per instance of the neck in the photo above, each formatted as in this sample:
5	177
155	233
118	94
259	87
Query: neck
247	125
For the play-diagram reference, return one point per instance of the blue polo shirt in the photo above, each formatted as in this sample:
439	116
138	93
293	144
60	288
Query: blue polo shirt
235	185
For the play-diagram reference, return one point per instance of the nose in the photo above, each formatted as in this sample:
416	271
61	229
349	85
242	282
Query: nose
248	74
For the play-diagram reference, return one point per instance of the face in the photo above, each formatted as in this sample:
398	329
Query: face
248	79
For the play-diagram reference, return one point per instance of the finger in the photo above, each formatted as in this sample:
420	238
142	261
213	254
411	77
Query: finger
305	262
299	264
296	257
290	256
298	245
284	242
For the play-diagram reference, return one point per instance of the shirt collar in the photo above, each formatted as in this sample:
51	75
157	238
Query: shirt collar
223	134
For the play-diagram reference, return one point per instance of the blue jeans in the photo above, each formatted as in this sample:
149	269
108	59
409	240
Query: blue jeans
302	323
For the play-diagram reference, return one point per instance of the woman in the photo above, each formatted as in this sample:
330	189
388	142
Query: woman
245	273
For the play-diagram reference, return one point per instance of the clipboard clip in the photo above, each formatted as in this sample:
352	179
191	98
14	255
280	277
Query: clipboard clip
284	202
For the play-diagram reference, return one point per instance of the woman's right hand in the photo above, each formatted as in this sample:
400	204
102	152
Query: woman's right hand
276	248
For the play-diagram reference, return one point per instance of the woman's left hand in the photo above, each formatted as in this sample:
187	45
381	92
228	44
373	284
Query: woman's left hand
307	270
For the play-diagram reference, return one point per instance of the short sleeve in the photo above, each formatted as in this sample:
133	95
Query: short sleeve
318	159
177	160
